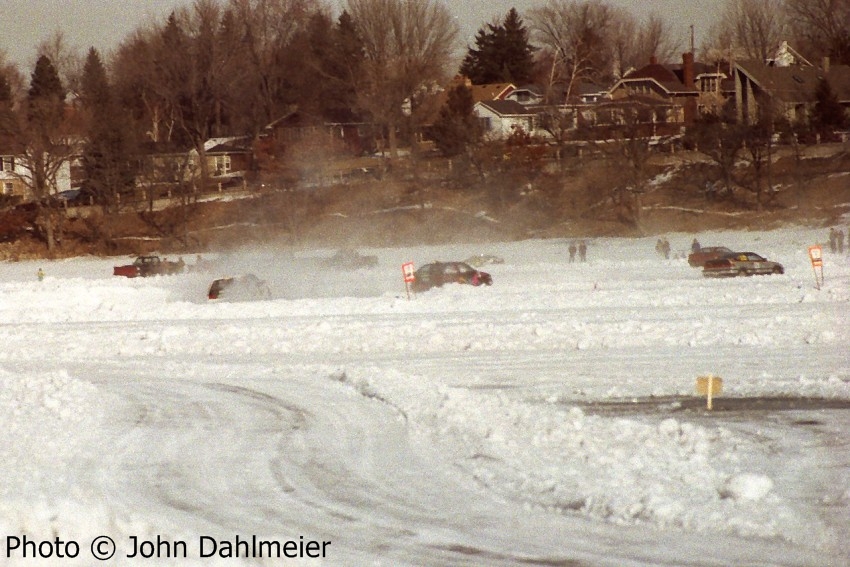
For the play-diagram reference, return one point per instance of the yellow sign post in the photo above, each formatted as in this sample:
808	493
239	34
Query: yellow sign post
709	386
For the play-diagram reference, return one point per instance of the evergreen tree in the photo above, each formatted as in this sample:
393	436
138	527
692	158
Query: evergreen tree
8	121
94	87
828	112
107	157
503	53
45	98
519	59
456	126
344	62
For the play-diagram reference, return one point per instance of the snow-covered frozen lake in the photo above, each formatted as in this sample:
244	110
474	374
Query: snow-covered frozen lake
457	427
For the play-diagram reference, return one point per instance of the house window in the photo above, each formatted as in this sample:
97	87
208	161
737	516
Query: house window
222	165
8	187
7	163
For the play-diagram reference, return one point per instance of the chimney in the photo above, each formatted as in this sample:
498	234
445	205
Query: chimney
826	65
688	69
653	60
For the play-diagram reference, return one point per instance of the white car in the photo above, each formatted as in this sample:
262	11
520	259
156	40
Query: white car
239	288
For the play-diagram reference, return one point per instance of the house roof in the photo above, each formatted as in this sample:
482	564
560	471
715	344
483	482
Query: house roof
633	100
796	83
288	118
583	88
668	77
507	107
495	91
234	145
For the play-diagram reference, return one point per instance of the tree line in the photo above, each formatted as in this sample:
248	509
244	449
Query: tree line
230	67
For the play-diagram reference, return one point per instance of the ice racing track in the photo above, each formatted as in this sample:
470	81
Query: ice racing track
282	446
314	460
456	428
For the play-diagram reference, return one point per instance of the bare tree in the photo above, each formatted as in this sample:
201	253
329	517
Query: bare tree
628	149
14	78
41	133
268	29
758	144
408	45
821	27
137	86
67	60
721	139
577	33
748	29
634	44
197	70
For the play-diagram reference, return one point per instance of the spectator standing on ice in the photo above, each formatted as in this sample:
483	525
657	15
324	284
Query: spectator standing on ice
833	236
582	250
839	237
665	248
695	246
572	252
40	274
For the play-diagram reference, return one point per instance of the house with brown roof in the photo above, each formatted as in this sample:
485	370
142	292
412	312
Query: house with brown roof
494	91
662	82
788	84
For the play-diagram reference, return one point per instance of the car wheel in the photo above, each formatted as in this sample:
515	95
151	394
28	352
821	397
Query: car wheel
778	270
744	272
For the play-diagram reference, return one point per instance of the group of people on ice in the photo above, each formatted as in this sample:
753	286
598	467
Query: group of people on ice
581	248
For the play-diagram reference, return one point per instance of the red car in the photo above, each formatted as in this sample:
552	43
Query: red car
145	266
441	273
699	258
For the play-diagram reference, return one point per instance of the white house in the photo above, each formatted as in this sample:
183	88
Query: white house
501	118
15	176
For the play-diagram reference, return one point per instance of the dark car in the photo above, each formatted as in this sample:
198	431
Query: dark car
741	264
699	258
240	288
348	259
146	266
438	274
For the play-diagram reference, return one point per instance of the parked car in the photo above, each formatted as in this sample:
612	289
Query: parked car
145	266
706	253
741	264
478	260
240	288
438	274
348	259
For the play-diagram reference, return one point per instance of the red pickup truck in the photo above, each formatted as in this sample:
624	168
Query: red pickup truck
145	266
